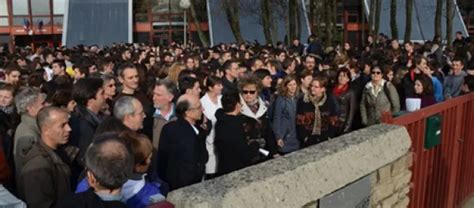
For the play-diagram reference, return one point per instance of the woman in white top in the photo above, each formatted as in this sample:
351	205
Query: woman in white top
211	101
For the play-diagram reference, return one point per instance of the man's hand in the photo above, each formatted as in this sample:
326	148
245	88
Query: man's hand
280	143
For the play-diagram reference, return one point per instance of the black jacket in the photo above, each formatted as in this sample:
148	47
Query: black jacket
235	144
407	83
348	106
88	199
228	86
182	154
83	125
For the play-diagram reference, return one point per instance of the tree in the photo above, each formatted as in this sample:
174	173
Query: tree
315	6
372	7
293	19
266	20
409	13
449	22
378	10
231	8
197	22
334	20
439	12
393	19
329	21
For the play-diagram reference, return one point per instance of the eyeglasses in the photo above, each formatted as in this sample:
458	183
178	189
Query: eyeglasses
376	72
249	91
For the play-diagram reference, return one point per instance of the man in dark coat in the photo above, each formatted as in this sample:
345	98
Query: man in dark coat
89	96
182	153
229	81
44	177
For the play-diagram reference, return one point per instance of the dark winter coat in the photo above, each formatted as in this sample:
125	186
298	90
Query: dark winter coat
83	124
44	177
88	199
182	154
234	142
263	127
348	106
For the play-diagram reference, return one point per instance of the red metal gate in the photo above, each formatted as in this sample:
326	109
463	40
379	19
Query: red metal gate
443	176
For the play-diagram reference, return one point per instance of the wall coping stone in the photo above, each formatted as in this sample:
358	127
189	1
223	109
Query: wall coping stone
303	176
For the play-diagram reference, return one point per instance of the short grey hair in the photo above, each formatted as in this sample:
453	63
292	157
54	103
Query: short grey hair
169	86
25	98
124	106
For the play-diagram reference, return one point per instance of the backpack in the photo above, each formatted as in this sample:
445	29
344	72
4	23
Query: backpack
387	93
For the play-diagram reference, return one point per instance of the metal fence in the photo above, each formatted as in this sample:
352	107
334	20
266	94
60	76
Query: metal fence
443	176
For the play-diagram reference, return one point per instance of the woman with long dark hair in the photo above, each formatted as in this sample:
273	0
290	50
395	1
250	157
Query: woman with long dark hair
211	102
424	90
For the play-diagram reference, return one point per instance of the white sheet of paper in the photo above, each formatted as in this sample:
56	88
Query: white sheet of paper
413	104
264	152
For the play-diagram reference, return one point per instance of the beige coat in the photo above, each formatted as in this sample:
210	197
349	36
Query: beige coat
373	104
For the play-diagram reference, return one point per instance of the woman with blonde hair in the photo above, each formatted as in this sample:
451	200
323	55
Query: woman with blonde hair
174	71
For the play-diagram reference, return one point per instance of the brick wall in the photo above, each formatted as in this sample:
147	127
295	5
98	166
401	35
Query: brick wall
391	184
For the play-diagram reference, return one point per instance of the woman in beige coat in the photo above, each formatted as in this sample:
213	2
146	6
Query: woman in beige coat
378	96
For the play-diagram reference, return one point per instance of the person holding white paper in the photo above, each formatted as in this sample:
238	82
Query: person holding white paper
254	107
424	91
235	143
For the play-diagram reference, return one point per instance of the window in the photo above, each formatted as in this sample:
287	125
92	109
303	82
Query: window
58	21
40	7
59	6
44	20
3	8
3	21
20	7
19	21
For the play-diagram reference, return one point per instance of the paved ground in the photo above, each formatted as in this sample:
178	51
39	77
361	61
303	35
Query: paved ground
469	204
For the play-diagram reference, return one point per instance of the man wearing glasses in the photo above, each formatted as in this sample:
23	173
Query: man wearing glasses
182	153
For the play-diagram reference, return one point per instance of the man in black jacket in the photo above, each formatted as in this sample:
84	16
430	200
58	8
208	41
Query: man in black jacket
229	81
89	96
182	153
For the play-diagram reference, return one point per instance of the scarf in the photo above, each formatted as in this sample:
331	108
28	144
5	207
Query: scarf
317	102
8	109
338	91
254	107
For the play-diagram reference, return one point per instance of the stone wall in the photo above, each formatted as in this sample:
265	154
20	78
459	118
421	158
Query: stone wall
303	177
390	184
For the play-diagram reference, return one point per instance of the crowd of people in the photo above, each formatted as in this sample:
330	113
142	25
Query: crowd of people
121	126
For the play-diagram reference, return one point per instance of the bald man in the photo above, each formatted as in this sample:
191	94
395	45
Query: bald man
182	153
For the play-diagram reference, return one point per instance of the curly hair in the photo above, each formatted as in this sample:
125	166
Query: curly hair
250	80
